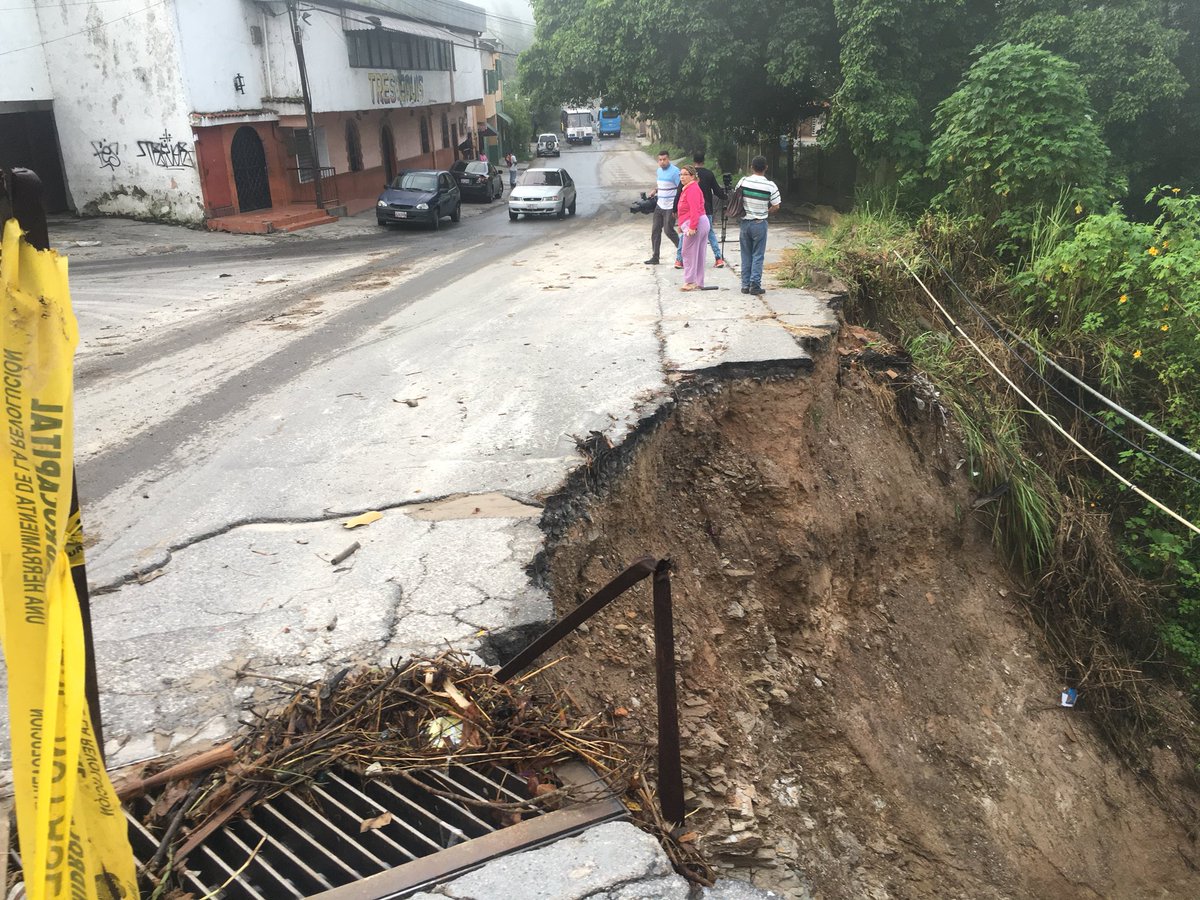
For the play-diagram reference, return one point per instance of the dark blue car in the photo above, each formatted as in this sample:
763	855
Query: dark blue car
419	195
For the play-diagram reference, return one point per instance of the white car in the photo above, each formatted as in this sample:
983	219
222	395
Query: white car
542	192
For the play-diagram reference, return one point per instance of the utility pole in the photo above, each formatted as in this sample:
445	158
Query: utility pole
308	113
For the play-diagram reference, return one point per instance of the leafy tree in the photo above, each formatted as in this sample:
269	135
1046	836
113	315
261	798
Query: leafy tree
743	65
1129	54
521	131
898	59
1015	138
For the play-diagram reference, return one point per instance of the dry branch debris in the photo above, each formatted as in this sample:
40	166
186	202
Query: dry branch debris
419	715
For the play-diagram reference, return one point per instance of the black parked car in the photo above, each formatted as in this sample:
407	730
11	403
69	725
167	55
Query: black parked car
478	179
419	195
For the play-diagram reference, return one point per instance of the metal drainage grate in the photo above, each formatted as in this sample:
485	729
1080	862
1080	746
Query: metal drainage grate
311	846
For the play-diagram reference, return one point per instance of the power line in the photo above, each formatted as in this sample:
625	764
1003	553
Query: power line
42	6
64	37
1124	412
1045	415
449	35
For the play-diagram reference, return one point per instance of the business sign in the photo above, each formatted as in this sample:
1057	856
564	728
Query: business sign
397	88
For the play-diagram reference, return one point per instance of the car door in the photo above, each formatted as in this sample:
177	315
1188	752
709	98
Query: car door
445	195
568	189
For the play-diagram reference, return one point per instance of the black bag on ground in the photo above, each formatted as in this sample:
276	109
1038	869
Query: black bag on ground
734	207
643	205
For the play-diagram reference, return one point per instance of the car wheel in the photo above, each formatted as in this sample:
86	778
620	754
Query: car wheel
437	219
512	216
562	208
571	208
457	214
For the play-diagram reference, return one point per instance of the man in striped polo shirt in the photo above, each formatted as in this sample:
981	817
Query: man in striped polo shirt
666	189
760	198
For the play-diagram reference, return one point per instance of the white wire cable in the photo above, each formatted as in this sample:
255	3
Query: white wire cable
1111	404
1045	415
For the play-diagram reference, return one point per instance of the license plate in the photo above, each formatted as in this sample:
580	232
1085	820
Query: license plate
464	181
400	214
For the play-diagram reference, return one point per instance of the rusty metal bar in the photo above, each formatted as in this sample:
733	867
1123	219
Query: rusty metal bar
670	767
642	568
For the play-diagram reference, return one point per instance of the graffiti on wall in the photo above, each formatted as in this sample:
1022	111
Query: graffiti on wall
107	153
167	154
388	88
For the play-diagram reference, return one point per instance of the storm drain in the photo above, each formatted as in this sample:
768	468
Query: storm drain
355	838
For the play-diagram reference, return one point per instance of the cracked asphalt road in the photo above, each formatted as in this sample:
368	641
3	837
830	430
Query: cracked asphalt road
235	406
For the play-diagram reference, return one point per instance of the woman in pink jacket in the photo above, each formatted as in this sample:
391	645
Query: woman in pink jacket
693	225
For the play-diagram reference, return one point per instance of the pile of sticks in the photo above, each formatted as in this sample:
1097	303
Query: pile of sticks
394	722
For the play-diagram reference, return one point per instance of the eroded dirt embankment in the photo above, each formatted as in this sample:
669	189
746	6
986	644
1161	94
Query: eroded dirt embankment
865	710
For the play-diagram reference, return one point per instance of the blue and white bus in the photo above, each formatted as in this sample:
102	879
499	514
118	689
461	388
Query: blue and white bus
610	122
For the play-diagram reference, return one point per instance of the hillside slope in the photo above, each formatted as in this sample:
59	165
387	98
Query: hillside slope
866	711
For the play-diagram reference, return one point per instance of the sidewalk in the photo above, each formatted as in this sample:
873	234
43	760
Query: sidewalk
610	862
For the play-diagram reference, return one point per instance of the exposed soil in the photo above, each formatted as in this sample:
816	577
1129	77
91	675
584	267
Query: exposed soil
866	711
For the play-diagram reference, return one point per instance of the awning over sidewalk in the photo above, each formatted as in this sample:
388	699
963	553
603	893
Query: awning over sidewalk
507	119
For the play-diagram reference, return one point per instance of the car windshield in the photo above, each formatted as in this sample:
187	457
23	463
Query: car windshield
474	168
548	138
542	176
415	181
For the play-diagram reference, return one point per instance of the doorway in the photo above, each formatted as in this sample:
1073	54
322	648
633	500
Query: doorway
387	152
249	161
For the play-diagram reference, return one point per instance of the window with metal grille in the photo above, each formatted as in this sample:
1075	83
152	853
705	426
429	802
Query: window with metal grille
425	144
354	156
383	49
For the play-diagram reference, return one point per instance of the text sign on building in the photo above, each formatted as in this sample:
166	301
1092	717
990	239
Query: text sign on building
396	88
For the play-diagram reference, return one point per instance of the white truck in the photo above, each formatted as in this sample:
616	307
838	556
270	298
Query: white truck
578	125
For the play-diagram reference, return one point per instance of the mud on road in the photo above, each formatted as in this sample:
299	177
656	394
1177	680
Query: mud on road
866	712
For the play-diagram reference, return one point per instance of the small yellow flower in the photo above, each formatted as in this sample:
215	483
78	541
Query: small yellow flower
1153	251
1166	244
1174	190
1166	328
1137	354
1124	298
1078	208
1166	306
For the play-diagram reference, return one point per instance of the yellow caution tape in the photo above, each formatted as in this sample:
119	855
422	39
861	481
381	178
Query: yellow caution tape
74	841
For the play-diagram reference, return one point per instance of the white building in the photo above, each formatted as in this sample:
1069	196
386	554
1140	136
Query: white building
191	110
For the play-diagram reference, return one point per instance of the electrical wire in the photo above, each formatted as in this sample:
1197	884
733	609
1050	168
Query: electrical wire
43	5
983	317
63	37
1045	415
449	38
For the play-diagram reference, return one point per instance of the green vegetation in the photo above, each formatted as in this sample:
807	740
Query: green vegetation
1008	150
1017	133
521	130
751	69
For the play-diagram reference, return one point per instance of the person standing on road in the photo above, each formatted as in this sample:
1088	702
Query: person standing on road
665	190
760	197
511	161
709	186
695	227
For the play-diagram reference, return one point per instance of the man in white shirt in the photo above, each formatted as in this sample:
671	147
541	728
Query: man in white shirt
760	198
666	189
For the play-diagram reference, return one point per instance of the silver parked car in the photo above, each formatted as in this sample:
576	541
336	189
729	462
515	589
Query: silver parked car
542	192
